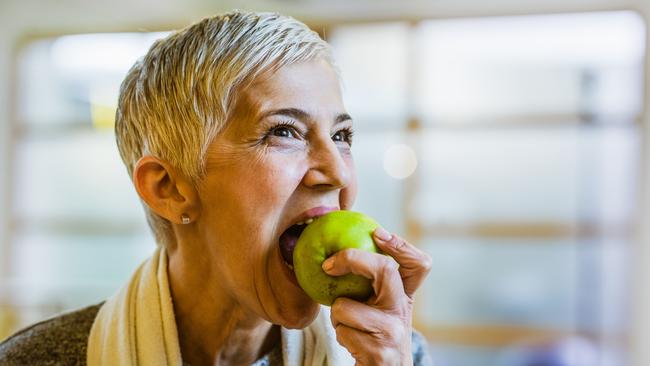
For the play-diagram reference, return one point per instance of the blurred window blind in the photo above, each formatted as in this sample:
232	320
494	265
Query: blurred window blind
78	230
508	149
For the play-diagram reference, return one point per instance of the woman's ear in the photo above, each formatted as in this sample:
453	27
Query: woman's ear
166	190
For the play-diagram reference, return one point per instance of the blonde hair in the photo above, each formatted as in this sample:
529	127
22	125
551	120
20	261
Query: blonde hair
179	96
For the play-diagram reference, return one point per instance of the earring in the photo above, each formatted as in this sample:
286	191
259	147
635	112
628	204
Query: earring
185	219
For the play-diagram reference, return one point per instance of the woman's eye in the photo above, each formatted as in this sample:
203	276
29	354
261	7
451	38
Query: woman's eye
343	136
282	132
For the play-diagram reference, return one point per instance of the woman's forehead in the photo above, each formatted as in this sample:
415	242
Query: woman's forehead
302	91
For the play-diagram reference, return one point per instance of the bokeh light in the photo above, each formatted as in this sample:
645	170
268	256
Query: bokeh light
400	161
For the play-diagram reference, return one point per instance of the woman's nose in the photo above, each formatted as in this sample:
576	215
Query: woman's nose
328	169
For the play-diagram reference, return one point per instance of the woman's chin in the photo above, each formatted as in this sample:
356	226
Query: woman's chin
295	309
299	310
300	318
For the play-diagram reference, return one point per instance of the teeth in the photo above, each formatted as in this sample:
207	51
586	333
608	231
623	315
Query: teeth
306	222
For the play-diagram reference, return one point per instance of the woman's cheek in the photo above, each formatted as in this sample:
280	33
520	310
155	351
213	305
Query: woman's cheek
349	192
289	168
347	196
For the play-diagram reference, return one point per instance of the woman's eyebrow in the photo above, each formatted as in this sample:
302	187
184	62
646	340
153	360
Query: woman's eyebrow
294	113
301	115
342	118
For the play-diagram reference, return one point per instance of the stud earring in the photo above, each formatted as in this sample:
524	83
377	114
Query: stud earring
185	219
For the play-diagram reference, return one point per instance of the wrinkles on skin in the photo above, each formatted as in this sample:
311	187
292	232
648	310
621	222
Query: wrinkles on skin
259	298
256	182
242	150
242	138
256	157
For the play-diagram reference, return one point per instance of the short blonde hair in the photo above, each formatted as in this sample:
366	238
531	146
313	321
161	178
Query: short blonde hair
179	96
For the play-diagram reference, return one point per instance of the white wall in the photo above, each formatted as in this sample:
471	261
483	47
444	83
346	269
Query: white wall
640	301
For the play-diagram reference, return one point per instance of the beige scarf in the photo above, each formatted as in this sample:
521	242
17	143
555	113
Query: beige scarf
136	326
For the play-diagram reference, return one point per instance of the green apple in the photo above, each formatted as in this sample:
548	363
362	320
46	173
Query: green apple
325	236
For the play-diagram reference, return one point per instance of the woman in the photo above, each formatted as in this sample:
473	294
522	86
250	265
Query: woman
233	130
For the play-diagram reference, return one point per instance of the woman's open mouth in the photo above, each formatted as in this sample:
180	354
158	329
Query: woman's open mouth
288	241
290	236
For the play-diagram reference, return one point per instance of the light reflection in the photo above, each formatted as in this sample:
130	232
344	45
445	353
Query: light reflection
400	161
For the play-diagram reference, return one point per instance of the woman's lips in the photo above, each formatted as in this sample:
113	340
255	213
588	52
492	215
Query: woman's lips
314	212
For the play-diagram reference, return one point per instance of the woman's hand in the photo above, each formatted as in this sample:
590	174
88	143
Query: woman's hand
378	332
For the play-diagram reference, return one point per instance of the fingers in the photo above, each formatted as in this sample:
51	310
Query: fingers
368	350
359	316
414	264
378	331
352	339
381	269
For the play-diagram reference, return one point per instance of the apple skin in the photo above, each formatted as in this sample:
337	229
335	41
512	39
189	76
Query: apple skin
328	234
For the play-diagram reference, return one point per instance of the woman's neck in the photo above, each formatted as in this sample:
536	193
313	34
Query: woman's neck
212	328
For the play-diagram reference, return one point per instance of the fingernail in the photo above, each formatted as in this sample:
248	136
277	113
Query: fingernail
383	234
328	264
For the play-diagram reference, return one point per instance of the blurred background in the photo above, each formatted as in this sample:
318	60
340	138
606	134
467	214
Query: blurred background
509	139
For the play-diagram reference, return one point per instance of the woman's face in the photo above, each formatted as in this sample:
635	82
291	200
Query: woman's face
284	157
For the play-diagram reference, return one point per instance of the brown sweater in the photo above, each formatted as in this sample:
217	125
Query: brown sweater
58	341
62	340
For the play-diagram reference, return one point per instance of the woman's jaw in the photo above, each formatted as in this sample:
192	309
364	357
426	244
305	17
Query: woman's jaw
290	307
283	160
294	310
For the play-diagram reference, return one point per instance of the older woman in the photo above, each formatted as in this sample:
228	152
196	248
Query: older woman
233	130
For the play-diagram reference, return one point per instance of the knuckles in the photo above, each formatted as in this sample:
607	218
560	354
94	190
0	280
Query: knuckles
388	266
337	308
386	356
339	336
348	255
395	328
426	263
